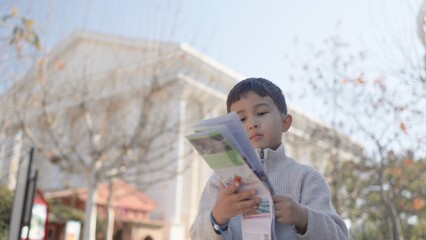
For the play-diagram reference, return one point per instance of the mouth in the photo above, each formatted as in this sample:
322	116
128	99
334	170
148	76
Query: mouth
256	136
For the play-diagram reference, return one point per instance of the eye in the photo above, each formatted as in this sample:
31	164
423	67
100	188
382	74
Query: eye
243	119
262	113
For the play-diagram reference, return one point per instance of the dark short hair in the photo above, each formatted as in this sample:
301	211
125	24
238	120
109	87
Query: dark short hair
260	86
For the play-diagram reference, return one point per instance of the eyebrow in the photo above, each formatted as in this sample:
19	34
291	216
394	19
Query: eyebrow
255	106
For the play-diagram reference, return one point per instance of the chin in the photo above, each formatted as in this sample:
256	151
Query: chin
261	146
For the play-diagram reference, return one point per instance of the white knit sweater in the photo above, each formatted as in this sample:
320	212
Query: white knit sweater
290	178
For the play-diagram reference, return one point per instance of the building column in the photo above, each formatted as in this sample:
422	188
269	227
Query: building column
15	160
177	228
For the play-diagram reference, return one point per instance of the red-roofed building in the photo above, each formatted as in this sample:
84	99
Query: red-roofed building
129	206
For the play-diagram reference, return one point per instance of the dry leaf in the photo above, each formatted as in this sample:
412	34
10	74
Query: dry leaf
403	127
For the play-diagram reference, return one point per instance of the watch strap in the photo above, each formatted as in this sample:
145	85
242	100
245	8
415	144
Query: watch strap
219	229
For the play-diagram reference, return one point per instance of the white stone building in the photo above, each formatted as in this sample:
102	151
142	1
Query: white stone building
113	69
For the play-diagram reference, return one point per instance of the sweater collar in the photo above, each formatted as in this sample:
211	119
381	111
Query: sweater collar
271	154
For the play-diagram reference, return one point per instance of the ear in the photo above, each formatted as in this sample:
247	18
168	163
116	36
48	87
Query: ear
287	120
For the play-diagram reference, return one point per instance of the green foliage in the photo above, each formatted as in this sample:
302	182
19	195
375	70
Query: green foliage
417	231
22	31
101	228
361	201
63	213
6	199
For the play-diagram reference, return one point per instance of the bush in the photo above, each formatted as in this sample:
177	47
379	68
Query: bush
6	199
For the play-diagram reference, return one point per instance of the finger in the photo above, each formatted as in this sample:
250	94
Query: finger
277	198
281	220
221	186
244	195
285	205
232	188
250	211
247	205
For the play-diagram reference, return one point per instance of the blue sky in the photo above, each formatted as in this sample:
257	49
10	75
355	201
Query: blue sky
254	38
244	35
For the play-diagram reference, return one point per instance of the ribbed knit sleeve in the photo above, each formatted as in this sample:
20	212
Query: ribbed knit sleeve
323	221
308	187
202	228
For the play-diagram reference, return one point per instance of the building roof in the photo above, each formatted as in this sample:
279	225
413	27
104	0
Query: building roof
125	196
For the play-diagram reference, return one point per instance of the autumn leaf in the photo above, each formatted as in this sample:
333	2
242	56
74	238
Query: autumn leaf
399	109
403	127
380	83
418	204
28	23
408	161
41	80
59	65
36	101
14	12
40	61
397	171
360	80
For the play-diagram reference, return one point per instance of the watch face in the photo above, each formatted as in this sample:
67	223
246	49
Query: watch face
216	227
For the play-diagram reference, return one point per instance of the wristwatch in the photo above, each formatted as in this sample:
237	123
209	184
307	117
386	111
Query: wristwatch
219	229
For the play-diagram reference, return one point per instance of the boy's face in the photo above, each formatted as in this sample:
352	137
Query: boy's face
262	120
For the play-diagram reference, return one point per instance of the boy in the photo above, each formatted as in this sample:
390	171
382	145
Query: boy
302	202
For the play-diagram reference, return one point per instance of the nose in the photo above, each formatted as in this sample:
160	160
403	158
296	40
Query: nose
253	124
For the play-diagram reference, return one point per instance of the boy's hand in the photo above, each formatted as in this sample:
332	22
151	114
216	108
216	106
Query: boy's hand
230	203
288	211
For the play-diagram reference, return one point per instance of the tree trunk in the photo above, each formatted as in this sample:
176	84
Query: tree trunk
90	212
110	227
110	212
